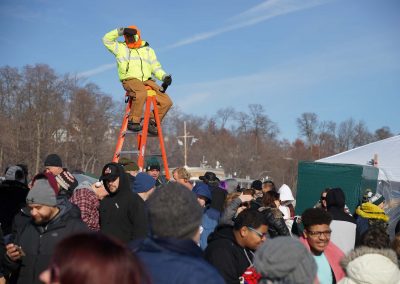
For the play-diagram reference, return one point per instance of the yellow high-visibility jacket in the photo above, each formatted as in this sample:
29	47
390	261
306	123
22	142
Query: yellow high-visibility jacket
139	63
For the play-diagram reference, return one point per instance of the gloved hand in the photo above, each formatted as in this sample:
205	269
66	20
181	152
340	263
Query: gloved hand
129	31
167	79
120	31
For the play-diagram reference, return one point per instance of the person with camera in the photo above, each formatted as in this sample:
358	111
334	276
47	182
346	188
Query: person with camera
137	63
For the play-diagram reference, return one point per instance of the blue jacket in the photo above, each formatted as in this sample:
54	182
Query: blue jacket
209	222
175	261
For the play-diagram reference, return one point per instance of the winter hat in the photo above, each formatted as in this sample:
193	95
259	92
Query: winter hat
231	185
143	183
285	260
110	172
53	160
51	179
152	164
174	212
66	180
257	185
377	199
15	173
129	165
41	193
201	189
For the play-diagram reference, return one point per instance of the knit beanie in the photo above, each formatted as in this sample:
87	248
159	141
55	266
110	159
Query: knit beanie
66	180
53	160
377	199
257	185
129	165
15	173
41	193
231	185
153	164
174	212
143	183
285	260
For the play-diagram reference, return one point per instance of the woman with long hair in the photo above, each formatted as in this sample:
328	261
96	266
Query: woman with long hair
274	217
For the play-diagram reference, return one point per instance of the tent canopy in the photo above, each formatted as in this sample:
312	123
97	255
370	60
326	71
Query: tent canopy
387	151
388	163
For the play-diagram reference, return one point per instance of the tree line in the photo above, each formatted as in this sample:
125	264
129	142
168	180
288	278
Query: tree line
42	112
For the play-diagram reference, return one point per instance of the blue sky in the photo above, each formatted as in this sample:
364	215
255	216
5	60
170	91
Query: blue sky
337	58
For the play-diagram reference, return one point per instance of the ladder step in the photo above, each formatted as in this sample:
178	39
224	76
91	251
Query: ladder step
129	152
139	132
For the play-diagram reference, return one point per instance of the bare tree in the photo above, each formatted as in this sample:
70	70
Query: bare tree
224	115
346	135
307	124
383	133
362	135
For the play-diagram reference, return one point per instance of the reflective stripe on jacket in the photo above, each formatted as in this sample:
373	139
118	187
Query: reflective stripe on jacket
138	63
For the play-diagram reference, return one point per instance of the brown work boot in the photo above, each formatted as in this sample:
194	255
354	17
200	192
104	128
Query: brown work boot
152	129
133	126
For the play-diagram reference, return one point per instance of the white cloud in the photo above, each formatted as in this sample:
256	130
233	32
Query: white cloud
193	101
96	70
262	12
267	10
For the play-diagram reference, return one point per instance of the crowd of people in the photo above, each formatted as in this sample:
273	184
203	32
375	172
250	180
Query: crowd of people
136	227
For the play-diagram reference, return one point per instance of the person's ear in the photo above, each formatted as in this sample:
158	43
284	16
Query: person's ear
243	231
304	234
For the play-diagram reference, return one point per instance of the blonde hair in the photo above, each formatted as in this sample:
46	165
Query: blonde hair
182	173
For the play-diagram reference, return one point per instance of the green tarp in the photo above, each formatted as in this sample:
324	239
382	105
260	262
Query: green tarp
314	177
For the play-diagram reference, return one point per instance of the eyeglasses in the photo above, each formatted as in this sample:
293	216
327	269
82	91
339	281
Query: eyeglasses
261	235
313	234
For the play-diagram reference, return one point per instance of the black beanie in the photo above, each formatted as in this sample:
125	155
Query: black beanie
53	160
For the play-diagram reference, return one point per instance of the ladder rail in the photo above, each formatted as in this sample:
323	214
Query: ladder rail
142	137
122	132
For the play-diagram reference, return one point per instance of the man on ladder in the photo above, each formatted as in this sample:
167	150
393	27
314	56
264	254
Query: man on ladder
137	62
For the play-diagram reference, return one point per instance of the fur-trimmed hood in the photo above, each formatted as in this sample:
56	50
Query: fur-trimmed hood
370	265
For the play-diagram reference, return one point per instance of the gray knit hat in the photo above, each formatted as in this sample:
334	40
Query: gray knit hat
285	260
174	212
41	193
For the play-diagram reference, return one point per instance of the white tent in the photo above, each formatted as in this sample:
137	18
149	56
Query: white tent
387	153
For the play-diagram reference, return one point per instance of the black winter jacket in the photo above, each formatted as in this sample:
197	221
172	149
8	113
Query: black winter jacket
12	195
225	254
275	221
38	242
122	213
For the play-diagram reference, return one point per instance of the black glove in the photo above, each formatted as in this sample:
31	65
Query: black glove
167	80
129	32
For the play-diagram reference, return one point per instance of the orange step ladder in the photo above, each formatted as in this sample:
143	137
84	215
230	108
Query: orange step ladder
142	135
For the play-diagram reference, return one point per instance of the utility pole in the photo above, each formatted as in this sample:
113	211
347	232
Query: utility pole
185	137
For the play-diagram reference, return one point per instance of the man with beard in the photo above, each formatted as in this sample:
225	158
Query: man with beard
33	242
122	212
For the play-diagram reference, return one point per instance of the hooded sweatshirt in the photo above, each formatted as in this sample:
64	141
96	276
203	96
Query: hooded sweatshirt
122	213
225	254
343	225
